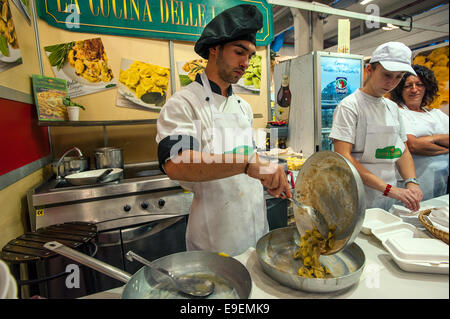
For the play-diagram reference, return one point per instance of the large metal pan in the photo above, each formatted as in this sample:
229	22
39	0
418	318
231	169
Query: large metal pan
275	254
231	279
331	184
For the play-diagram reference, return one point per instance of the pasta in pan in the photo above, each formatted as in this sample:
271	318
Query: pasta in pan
310	248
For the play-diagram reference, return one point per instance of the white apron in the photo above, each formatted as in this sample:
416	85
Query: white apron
227	215
381	141
431	171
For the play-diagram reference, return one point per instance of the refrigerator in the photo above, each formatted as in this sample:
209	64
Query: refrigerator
318	82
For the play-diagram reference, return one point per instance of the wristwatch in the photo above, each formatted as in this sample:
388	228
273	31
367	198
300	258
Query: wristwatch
412	180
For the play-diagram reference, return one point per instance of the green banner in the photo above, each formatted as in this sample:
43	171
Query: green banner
161	19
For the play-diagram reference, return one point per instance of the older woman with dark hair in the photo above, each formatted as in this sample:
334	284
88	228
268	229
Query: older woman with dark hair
427	130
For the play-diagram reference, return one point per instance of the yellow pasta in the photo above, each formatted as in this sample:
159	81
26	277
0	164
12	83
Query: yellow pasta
89	61
143	78
311	246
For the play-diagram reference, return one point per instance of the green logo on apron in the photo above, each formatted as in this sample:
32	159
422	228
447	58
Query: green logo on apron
241	150
388	152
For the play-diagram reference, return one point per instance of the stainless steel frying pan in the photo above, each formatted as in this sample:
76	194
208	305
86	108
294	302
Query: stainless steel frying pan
231	279
275	254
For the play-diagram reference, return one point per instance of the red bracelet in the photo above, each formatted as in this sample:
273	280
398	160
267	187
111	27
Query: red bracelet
386	191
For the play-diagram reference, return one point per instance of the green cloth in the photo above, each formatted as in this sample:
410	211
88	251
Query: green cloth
237	23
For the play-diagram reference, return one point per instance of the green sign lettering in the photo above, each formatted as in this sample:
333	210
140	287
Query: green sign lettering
389	152
161	19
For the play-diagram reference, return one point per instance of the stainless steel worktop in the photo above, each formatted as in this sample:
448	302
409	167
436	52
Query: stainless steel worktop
143	194
47	194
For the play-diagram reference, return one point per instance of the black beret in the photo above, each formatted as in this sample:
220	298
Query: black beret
237	23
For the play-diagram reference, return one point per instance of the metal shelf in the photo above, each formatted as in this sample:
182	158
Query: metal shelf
96	123
108	123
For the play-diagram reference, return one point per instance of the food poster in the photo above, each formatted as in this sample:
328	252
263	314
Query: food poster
188	70
10	55
83	64
25	8
250	83
142	85
48	96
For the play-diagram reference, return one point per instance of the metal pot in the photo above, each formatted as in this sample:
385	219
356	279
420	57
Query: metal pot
108	157
71	165
231	279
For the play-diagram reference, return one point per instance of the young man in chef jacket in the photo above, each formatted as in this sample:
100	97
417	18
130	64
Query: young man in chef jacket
205	142
368	130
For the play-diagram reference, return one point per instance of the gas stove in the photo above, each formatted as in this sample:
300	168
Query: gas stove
143	194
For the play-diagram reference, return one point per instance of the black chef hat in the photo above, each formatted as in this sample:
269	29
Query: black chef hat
237	23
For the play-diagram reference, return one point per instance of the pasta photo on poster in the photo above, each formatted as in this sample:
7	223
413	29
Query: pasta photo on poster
10	54
83	64
48	97
142	85
250	83
188	70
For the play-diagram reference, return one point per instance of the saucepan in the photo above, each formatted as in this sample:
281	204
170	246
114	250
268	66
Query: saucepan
231	279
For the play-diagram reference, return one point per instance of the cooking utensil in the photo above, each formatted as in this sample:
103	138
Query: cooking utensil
191	285
316	217
103	175
93	176
332	186
108	157
231	279
71	165
275	253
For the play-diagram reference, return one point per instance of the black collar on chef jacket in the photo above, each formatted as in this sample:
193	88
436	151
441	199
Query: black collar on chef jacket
214	87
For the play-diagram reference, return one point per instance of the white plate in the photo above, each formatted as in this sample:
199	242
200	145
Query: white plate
90	177
14	55
419	254
70	74
131	96
248	87
403	230
377	218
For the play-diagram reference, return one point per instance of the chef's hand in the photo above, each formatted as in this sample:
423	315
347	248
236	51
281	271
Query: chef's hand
410	196
271	175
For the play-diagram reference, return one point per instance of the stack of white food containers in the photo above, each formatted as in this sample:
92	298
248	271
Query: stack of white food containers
411	249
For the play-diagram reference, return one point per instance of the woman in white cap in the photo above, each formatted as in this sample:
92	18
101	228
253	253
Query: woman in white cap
368	130
205	142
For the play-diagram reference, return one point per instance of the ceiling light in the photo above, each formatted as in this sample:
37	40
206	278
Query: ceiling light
364	2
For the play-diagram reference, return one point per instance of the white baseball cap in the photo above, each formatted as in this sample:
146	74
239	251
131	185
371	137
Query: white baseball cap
394	57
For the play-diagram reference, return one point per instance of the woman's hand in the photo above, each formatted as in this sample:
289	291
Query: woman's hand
410	196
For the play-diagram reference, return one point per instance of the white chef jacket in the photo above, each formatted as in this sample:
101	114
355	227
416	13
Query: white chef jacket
188	113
